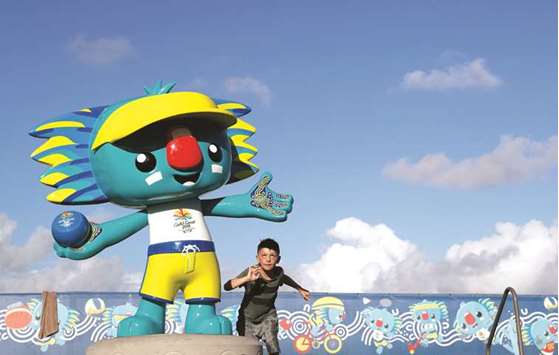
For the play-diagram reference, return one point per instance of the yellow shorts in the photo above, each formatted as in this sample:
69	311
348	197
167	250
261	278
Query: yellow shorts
196	274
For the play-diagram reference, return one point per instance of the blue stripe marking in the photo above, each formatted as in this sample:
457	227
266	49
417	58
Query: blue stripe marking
179	246
238	131
79	161
80	135
85	174
95	111
156	299
241	150
81	192
203	300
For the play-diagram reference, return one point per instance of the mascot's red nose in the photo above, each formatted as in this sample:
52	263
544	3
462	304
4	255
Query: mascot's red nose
378	323
183	153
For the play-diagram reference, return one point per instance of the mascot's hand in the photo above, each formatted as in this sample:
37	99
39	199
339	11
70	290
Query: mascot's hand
70	253
267	204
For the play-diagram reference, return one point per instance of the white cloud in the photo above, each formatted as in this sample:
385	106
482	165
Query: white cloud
14	258
464	76
100	50
248	85
514	159
366	258
28	268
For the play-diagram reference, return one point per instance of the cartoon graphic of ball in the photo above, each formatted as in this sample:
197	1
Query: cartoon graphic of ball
95	306
17	316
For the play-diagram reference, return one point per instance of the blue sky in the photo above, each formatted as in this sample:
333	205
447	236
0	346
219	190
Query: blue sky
341	93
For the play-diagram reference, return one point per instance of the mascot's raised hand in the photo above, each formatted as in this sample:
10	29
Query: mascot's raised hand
260	202
157	153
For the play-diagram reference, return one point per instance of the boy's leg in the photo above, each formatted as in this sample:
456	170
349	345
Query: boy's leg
241	329
245	327
268	329
249	329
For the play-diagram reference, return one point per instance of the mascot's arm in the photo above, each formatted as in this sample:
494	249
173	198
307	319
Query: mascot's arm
260	202
109	233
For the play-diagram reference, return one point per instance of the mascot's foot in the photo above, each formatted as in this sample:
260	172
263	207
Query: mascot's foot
201	319
139	325
149	319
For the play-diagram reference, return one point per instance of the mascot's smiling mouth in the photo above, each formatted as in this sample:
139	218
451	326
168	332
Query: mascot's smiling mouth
187	180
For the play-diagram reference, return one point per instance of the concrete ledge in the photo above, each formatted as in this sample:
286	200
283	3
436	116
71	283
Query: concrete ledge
177	344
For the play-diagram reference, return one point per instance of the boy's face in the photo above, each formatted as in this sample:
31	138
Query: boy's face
267	258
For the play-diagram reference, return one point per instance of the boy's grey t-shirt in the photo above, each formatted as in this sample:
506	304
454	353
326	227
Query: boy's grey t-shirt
260	295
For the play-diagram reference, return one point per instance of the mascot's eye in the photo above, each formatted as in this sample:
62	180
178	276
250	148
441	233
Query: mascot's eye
418	317
386	326
214	152
463	325
432	316
479	315
546	334
145	162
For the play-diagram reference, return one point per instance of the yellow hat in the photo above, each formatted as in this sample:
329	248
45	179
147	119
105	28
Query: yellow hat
137	114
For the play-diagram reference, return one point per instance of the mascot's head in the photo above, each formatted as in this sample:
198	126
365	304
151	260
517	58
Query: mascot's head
543	334
380	320
148	150
473	317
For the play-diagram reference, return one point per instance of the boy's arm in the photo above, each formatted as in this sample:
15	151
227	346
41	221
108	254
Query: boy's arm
286	280
259	202
234	283
246	276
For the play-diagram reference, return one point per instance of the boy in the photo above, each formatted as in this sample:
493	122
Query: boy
257	315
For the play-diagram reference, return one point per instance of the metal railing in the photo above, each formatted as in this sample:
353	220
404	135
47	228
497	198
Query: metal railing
516	320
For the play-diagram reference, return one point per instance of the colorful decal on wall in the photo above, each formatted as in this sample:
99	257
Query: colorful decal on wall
540	329
474	319
322	327
381	328
111	317
318	326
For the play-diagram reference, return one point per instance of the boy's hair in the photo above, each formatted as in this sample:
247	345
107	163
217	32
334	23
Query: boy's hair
270	244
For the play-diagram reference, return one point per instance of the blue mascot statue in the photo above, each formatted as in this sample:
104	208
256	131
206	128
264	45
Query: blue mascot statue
157	154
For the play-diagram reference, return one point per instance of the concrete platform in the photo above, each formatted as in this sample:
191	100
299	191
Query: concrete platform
177	344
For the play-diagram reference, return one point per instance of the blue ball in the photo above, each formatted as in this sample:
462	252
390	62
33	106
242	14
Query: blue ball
71	229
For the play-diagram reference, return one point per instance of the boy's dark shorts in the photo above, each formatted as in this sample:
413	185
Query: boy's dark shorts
267	330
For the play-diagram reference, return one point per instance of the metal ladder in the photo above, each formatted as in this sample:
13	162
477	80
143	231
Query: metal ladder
516	319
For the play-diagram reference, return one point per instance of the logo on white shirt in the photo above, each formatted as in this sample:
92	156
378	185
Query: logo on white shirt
183	220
